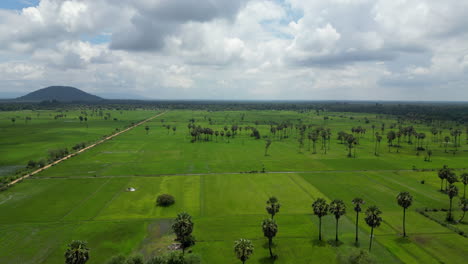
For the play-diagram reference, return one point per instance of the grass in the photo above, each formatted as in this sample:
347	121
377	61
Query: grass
85	197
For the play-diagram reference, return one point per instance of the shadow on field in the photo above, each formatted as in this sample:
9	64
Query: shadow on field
319	243
268	260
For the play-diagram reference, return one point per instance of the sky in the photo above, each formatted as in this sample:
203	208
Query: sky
237	50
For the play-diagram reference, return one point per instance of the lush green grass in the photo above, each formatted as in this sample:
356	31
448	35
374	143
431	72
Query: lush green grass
85	197
24	140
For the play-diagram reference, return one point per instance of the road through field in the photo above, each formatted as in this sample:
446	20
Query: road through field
84	149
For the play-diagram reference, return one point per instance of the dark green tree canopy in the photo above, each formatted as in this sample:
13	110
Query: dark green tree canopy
404	199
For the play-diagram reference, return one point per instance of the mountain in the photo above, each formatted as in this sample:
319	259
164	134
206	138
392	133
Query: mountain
61	94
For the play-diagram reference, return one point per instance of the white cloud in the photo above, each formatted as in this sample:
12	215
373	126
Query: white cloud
339	49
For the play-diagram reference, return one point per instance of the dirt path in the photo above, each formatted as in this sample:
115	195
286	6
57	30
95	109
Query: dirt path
84	149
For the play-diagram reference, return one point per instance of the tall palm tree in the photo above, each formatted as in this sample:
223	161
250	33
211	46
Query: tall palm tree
452	191
320	207
243	248
357	208
464	207
273	206
464	180
270	228
404	200
442	173
337	208
77	253
373	220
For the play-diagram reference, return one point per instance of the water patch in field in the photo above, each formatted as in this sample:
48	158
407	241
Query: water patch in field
8	170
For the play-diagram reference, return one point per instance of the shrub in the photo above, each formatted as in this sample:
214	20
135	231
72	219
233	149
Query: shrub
32	164
165	200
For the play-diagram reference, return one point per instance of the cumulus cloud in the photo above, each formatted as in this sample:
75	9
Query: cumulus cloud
249	49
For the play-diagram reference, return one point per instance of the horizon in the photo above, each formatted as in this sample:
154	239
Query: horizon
245	50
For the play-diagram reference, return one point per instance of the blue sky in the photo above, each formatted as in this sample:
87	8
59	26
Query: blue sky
17	4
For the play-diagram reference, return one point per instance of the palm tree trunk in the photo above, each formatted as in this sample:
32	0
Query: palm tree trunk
371	235
320	228
404	218
269	246
450	211
357	221
463	216
336	230
441	184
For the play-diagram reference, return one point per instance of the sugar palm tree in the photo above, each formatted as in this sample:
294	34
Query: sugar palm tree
337	208
464	180
373	220
320	208
270	228
77	253
273	206
442	173
464	207
183	228
452	191
357	208
404	200
243	248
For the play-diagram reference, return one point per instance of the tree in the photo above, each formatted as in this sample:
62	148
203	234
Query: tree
464	180
350	142
267	145
77	253
391	135
147	128
404	200
243	248
357	208
273	206
442	173
452	191
320	208
373	220
183	228
270	228
463	207
337	208
446	141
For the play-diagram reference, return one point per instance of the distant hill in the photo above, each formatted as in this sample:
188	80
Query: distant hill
61	94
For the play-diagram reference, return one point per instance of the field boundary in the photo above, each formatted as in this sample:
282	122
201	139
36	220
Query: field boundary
84	149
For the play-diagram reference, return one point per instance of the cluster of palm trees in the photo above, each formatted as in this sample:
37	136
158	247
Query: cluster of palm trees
243	248
448	175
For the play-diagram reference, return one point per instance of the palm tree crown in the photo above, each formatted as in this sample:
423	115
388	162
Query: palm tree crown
77	253
404	199
320	207
273	206
243	248
357	204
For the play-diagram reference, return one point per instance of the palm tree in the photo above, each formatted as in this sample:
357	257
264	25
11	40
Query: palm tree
270	228
183	228
442	173
320	207
373	220
452	191
77	253
404	200
147	129
273	206
464	180
464	207
267	145
357	208
337	208
243	248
